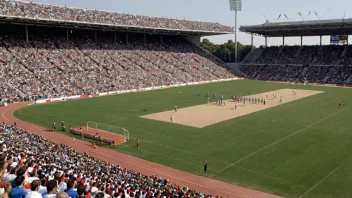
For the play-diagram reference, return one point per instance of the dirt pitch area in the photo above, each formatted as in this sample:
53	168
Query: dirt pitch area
208	114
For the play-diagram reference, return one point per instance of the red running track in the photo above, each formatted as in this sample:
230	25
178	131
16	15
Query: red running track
198	183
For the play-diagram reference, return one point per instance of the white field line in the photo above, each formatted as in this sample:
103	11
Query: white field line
269	176
292	134
321	180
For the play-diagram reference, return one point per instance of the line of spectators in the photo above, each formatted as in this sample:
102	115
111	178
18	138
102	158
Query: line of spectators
293	73
45	11
56	67
33	167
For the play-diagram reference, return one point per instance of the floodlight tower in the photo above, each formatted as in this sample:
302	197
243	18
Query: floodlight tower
235	5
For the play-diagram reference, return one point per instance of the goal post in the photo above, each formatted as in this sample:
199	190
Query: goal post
114	130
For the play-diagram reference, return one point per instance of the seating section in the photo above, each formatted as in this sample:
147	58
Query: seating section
44	11
56	67
294	73
316	64
31	160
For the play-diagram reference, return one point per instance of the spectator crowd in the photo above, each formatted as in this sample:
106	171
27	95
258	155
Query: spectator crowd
315	64
57	67
33	167
45	11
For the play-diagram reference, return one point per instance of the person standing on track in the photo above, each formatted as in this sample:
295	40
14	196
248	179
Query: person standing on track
54	126
205	166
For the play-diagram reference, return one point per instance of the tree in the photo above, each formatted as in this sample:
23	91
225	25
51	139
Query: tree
226	51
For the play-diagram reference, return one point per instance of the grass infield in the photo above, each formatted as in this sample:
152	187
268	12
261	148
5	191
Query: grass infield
302	148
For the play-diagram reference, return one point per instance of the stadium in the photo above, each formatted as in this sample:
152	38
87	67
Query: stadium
104	104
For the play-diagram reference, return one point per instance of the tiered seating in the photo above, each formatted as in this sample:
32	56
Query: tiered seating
315	74
325	64
55	67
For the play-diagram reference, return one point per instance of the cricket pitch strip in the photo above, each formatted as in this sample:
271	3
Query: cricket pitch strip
208	114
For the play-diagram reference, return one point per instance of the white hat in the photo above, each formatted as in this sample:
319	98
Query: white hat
14	164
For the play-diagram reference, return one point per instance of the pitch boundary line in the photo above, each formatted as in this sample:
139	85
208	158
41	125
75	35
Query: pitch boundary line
269	176
283	139
321	180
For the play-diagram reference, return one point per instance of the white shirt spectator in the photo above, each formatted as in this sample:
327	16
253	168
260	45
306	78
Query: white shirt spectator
33	194
42	190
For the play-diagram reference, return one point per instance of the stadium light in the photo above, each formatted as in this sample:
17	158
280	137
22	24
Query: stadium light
235	5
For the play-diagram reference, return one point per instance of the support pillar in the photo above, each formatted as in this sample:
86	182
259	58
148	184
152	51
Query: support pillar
144	38
126	37
283	41
266	41
301	41
96	37
321	38
66	34
235	36
347	39
115	38
27	33
161	39
252	37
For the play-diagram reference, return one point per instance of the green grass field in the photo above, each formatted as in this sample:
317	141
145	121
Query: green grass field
299	148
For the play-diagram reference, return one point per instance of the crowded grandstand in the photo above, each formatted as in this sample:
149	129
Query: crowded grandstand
43	55
322	64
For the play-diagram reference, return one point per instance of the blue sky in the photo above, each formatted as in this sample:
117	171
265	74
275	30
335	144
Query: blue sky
218	11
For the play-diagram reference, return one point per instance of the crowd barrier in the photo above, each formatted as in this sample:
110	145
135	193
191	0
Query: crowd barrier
49	100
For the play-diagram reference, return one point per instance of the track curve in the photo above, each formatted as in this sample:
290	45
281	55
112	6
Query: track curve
198	183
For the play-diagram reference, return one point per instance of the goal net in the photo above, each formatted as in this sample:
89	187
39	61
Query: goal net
94	127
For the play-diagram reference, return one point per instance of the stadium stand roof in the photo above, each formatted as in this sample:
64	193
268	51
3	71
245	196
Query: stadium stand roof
301	28
20	12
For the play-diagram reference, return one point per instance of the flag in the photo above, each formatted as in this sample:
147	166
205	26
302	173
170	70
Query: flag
316	14
300	14
286	17
309	13
278	17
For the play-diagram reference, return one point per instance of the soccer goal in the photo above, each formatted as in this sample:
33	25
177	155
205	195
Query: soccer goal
94	127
